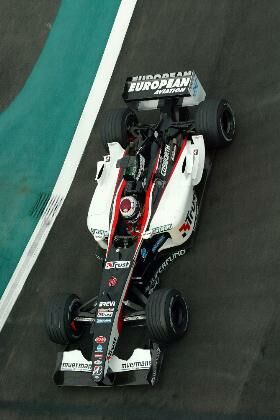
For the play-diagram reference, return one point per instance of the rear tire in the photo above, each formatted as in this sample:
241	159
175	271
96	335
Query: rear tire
116	124
216	121
59	319
167	315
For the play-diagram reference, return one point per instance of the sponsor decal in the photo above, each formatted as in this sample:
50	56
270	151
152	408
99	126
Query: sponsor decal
99	347
105	309
97	370
153	284
108	303
186	226
100	234
100	339
104	314
166	263
173	154
76	367
162	76
98	355
160	229
112	349
157	244
144	182
140	359
98	362
155	366
170	259
178	85
164	164
103	321
141	167
144	253
112	282
74	361
194	86
136	365
116	264
161	83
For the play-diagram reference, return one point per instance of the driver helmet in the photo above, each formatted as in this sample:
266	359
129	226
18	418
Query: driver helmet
130	208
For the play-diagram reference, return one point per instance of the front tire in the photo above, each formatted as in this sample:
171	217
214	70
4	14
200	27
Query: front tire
167	315
216	121
59	318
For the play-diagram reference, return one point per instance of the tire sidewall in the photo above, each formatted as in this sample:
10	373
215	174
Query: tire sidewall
60	312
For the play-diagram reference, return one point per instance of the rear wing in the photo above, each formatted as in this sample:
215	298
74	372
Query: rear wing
150	91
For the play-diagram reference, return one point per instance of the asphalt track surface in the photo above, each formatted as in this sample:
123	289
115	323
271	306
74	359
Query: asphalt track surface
228	364
24	28
37	128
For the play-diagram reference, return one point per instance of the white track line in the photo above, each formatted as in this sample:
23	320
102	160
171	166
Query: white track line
72	160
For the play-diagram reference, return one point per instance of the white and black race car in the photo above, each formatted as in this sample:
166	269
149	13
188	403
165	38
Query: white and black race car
143	215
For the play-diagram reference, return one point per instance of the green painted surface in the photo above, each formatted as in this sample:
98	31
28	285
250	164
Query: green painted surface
37	129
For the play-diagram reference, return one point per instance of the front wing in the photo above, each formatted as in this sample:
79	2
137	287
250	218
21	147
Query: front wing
142	368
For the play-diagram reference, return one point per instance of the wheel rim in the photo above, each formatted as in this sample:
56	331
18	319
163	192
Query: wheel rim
74	327
179	314
227	123
130	121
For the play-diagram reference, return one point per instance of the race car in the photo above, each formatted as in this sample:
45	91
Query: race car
143	215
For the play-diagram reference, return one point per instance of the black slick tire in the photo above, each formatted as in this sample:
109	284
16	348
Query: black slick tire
59	318
167	315
214	118
116	124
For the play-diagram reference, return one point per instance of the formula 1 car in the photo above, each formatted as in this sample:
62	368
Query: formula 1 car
143	216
